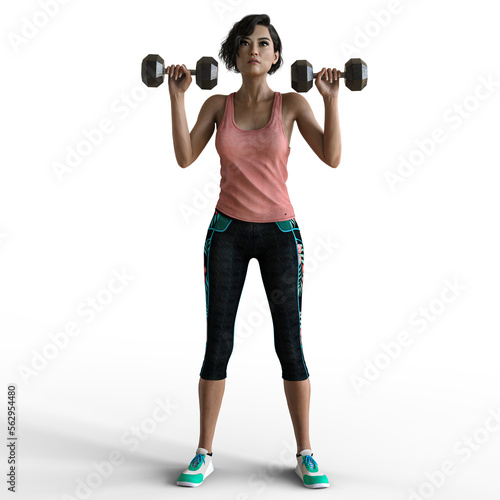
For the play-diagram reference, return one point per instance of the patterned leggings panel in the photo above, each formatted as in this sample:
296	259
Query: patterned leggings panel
229	245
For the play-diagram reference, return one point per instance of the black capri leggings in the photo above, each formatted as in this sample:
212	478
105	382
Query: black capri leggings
229	245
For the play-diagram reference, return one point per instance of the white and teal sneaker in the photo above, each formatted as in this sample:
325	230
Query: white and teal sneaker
307	469
199	469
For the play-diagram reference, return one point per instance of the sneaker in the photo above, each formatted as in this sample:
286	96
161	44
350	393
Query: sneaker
307	469
199	469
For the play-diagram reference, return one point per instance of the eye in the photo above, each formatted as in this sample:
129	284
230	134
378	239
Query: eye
245	41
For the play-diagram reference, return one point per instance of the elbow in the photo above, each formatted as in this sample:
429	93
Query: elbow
335	163
183	163
186	162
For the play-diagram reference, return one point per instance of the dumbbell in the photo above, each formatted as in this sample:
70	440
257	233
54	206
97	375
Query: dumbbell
153	71
355	74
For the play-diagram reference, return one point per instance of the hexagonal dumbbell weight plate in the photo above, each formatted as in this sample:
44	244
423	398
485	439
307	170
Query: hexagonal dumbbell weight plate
153	71
355	74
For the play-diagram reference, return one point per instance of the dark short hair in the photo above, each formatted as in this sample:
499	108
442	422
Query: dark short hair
231	45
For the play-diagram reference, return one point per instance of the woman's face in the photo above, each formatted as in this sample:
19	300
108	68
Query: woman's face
257	46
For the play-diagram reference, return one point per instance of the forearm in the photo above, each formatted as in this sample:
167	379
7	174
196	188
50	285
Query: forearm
180	130
332	147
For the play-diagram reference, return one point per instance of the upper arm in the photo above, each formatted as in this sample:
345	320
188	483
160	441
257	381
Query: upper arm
204	127
308	126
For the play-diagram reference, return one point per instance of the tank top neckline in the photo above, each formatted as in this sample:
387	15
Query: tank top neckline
255	129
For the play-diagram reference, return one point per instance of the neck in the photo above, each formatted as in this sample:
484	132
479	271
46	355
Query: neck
254	90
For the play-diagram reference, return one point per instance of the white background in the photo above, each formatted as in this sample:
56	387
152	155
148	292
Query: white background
375	256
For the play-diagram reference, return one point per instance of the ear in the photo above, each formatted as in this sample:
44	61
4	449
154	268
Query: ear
276	57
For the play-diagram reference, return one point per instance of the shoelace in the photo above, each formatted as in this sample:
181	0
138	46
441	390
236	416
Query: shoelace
309	461
197	459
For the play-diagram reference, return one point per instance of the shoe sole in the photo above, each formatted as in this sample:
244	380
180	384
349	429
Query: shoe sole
209	471
316	485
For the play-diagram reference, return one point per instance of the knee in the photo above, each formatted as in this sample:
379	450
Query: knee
293	367
215	364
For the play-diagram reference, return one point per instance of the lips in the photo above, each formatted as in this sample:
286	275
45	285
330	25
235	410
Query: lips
253	61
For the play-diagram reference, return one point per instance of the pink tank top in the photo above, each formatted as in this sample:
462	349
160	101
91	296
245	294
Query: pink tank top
253	168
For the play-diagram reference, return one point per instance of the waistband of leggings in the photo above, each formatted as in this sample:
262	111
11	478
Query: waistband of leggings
248	222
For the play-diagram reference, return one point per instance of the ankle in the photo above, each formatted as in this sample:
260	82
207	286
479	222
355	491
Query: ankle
303	448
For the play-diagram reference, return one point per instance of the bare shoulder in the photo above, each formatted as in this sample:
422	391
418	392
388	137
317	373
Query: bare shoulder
295	104
217	103
218	98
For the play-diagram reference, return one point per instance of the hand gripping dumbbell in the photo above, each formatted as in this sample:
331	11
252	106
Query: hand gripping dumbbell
153	71
355	74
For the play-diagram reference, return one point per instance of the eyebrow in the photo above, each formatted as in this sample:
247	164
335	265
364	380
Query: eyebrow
261	38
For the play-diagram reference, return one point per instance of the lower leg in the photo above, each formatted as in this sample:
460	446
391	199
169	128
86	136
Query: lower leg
210	396
298	396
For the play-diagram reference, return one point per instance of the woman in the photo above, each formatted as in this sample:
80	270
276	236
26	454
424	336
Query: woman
254	218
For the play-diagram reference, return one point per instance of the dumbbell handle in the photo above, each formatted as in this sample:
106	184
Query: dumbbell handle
342	75
192	71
